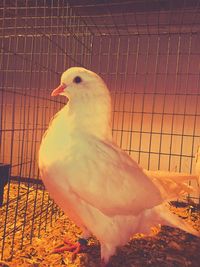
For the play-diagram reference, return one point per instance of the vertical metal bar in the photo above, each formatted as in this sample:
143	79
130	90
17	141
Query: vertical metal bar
115	82
99	55
133	93
65	34
124	91
2	80
52	106
22	150
56	69
195	121
73	39
3	147
185	101
69	37
11	149
44	118
174	103
154	94
143	99
85	34
34	138
108	61
27	112
89	44
76	45
22	114
164	101
109	12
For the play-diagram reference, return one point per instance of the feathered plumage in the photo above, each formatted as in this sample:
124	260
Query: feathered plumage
99	186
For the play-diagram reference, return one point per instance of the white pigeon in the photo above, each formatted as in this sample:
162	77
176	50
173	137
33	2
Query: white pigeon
99	186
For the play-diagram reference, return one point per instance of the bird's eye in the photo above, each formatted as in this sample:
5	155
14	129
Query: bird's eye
77	79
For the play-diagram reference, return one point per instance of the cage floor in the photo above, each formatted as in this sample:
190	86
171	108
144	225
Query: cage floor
26	213
168	247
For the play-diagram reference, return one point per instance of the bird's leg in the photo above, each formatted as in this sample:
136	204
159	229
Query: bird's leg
75	248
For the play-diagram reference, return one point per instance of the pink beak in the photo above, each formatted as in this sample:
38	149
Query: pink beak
59	89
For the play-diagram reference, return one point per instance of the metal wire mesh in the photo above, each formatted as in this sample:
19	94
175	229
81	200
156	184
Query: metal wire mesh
36	46
148	54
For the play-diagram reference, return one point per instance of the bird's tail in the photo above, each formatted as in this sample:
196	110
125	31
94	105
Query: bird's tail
172	184
162	215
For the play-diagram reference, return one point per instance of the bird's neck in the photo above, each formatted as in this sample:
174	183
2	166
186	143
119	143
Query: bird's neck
91	117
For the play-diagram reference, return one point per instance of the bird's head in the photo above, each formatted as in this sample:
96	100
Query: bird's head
77	83
89	100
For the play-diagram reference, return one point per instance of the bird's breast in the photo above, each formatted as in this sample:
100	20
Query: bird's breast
57	140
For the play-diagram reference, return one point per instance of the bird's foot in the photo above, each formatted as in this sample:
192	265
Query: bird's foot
75	248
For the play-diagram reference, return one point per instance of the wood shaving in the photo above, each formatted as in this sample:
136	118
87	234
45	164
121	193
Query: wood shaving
167	247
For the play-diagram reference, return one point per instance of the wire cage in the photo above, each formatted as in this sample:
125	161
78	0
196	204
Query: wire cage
148	54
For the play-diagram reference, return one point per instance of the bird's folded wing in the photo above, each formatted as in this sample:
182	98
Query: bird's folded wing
107	178
171	184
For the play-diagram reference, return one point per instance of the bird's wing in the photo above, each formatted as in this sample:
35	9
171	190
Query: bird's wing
108	179
171	184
